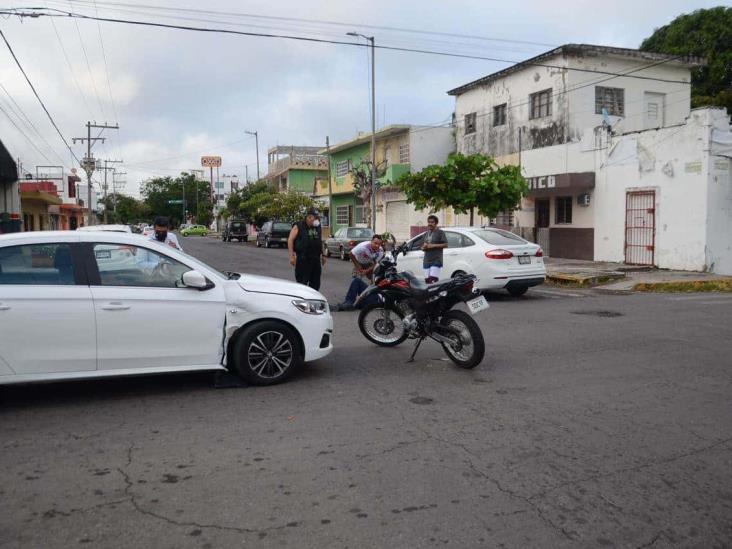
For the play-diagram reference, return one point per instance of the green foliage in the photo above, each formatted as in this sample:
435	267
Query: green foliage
466	183
245	203
260	201
157	193
128	210
706	33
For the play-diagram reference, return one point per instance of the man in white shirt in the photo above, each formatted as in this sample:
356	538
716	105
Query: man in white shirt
365	256
161	233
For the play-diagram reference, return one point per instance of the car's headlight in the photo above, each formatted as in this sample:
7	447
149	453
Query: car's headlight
311	306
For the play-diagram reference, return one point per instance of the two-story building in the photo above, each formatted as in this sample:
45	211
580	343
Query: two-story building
400	149
296	168
562	115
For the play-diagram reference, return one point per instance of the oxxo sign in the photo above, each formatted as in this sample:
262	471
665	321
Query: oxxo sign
544	182
210	161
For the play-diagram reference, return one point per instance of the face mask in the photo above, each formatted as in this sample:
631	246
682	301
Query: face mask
161	235
316	223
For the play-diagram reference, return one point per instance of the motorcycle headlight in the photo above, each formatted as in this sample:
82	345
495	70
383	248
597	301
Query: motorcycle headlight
311	306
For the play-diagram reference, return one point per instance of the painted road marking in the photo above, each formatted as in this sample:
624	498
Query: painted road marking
699	297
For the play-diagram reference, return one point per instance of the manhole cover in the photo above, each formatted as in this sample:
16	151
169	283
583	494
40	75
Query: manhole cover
601	314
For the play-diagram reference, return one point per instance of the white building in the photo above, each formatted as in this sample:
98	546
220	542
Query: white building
564	117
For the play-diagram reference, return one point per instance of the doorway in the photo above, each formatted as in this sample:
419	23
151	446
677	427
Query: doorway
640	227
542	221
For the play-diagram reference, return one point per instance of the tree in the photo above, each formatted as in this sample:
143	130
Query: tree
466	183
128	209
240	205
163	196
362	187
706	33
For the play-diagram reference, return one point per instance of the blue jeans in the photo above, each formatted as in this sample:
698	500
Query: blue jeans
357	286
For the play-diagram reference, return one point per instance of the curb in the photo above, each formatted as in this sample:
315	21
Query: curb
686	286
584	280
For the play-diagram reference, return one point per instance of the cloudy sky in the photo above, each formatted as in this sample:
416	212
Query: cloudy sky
179	94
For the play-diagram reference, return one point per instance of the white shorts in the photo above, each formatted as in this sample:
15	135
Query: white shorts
432	272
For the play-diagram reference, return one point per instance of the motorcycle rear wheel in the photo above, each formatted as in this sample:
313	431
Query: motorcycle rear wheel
469	351
381	324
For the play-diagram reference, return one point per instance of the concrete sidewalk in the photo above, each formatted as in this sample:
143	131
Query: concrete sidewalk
609	277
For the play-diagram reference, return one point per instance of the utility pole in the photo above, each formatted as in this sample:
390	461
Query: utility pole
246	171
256	142
88	163
104	187
330	189
373	125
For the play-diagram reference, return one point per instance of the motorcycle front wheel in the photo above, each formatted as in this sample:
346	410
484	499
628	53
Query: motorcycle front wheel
468	347
381	323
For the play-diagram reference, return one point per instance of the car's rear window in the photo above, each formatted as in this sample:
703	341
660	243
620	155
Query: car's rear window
281	227
236	225
498	237
360	233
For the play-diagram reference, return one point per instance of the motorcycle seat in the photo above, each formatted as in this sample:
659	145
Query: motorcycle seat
420	285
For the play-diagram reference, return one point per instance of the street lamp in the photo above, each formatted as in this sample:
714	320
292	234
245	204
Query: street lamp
373	124
256	140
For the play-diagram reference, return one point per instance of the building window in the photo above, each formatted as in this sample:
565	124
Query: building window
504	219
563	210
541	104
343	167
342	215
611	99
470	120
499	115
404	153
359	214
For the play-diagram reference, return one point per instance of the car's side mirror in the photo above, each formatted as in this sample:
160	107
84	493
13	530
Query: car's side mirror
194	279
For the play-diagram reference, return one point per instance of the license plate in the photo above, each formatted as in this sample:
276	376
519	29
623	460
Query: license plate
477	305
524	259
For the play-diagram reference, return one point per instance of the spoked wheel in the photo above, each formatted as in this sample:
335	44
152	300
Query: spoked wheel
267	353
382	324
468	346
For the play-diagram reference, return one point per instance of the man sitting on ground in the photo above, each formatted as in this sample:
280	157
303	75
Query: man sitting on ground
365	256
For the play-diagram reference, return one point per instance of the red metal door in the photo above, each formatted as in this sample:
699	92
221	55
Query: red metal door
640	227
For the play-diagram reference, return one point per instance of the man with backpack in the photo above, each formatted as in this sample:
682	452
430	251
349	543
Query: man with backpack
305	244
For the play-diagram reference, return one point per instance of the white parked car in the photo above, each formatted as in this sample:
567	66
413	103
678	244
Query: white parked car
109	228
500	259
92	304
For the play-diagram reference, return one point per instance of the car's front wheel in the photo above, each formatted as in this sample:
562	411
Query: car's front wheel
267	353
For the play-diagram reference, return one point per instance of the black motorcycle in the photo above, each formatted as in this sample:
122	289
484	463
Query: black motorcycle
410	308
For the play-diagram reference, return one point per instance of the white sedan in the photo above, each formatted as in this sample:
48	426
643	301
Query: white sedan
500	259
91	304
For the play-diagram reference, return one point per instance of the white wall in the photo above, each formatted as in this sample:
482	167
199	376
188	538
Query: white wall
582	101
719	220
429	146
671	162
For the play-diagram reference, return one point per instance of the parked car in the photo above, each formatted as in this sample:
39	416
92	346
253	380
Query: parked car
194	230
147	230
79	305
344	240
110	228
500	259
273	233
235	228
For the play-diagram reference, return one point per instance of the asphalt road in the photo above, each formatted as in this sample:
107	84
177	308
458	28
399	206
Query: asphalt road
594	421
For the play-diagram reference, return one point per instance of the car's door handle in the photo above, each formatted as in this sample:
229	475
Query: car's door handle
115	306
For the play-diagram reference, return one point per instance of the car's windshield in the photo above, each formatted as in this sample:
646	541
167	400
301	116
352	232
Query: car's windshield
281	227
498	237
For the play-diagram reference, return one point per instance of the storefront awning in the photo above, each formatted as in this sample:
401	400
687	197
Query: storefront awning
563	183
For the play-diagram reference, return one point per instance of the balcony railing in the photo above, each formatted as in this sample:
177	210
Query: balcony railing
311	161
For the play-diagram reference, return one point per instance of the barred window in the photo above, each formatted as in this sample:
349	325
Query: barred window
563	210
470	123
404	153
342	215
612	99
504	218
541	104
499	115
342	168
359	215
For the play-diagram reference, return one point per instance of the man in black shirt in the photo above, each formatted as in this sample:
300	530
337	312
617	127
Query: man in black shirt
434	242
306	250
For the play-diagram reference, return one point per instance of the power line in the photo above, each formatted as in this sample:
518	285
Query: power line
62	13
106	66
24	135
88	65
32	87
